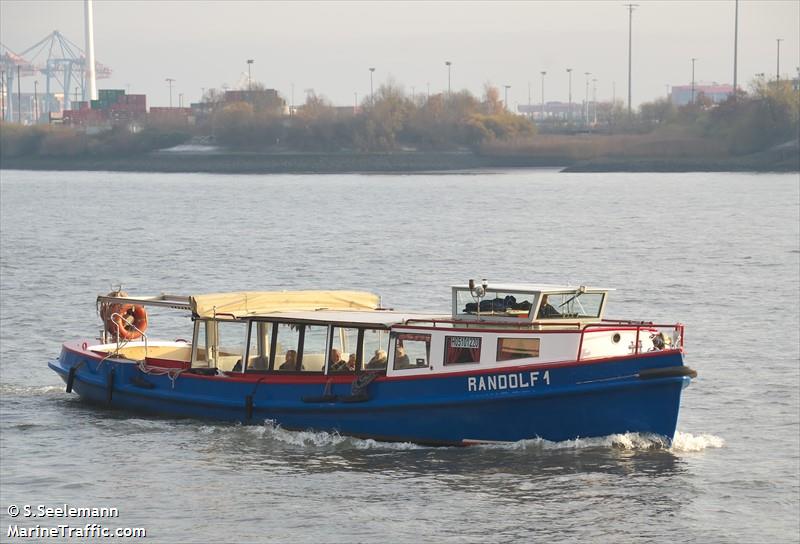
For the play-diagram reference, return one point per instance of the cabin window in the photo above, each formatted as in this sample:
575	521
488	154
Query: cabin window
411	350
503	304
343	355
375	348
314	347
220	344
570	305
287	342
260	344
517	348
462	349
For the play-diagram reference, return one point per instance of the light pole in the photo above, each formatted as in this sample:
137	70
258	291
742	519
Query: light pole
569	112
693	61
630	52
586	100
448	64
371	91
170	81
180	100
778	67
505	100
735	45
543	74
36	102
249	80
594	100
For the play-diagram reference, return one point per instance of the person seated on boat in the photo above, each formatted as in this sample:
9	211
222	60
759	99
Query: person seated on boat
547	310
378	360
259	363
291	361
351	362
336	363
401	359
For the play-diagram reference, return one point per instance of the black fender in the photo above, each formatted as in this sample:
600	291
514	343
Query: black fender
667	372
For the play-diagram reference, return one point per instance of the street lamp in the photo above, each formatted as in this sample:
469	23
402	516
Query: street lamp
543	74
569	112
505	101
371	91
586	99
249	81
594	99
170	81
778	67
448	64
180	100
693	61
630	45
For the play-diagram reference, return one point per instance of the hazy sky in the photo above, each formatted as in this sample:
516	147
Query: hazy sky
329	46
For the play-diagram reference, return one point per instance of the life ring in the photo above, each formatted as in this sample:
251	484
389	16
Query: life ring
128	321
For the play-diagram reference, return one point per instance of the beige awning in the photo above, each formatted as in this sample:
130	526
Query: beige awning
250	303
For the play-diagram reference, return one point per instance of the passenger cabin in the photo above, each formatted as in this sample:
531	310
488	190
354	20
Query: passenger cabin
334	333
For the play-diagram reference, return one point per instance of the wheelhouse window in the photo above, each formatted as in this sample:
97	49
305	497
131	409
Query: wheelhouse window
496	303
411	350
375	346
462	349
219	344
570	305
517	348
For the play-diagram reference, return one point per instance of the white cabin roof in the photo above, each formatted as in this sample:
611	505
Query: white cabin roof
532	287
383	318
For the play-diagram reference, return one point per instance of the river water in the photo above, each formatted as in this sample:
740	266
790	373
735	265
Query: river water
719	252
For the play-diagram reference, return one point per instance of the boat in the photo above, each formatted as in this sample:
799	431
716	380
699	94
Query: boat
509	362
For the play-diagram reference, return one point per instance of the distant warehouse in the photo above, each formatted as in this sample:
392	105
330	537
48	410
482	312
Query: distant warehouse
682	94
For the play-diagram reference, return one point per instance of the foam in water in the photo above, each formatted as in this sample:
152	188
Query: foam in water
683	442
307	439
686	442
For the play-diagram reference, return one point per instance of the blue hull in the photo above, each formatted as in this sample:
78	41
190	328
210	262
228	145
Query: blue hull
554	402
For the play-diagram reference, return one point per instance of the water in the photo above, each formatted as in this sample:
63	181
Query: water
718	252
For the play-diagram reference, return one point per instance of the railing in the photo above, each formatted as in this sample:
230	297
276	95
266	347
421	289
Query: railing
454	323
675	338
608	325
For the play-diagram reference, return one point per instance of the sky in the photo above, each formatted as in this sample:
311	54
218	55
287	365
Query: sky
330	46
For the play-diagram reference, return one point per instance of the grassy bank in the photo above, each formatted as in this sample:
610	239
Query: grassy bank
407	162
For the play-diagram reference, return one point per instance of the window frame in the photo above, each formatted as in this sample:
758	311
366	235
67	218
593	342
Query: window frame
393	346
500	342
446	347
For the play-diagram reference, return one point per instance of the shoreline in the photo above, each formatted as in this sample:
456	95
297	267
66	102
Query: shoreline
401	162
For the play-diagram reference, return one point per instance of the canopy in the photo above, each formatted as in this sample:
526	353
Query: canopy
250	303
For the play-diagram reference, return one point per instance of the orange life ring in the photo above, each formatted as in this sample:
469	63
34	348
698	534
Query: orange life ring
128	321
